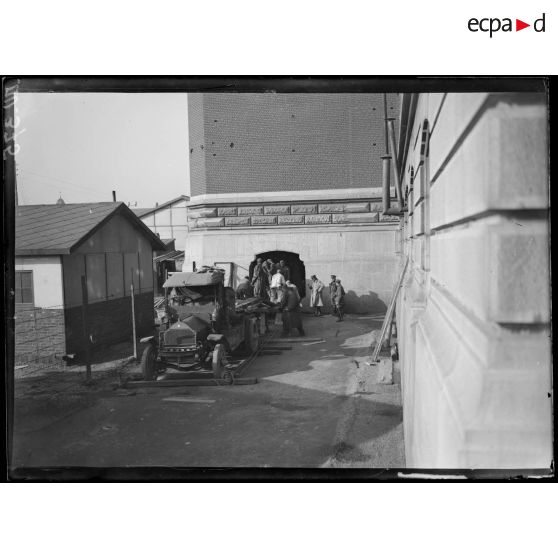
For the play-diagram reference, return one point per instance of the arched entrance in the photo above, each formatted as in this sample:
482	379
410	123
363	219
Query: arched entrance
294	263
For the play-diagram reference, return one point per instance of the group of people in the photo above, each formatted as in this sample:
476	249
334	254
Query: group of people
269	281
272	281
336	294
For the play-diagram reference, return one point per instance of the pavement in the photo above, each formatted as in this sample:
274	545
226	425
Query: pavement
320	404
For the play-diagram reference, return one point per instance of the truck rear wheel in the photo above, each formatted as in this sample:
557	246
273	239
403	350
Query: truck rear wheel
219	361
148	363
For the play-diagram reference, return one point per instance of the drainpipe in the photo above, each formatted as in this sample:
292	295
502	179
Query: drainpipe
391	129
386	162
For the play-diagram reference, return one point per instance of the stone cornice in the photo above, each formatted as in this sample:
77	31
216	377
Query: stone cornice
291	196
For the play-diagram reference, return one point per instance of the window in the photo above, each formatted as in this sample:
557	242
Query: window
24	287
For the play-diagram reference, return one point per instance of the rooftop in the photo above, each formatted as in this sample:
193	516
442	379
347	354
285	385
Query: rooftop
142	211
60	229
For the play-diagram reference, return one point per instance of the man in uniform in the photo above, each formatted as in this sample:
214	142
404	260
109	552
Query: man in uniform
291	312
259	279
332	289
245	289
339	300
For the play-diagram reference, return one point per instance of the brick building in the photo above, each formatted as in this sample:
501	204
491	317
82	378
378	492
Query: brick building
293	176
473	316
55	246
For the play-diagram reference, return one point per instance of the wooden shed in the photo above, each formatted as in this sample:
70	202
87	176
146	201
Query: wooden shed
55	246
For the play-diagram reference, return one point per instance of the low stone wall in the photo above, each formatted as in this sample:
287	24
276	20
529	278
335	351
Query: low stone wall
109	321
39	335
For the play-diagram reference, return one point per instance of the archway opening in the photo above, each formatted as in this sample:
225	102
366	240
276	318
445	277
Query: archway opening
296	267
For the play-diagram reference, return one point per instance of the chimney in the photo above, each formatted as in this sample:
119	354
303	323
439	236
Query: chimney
114	195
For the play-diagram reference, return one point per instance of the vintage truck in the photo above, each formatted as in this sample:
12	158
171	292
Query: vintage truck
201	325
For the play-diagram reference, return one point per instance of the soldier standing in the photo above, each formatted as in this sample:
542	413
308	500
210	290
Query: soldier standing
259	279
339	299
332	290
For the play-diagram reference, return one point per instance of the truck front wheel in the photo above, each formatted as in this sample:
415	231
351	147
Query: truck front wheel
148	363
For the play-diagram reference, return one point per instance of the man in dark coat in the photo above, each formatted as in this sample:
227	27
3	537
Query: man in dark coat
245	289
259	279
332	289
290	307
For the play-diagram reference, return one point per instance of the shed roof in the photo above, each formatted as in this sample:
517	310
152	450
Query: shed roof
143	211
60	229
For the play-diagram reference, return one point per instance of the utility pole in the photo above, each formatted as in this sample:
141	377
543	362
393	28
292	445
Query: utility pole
85	318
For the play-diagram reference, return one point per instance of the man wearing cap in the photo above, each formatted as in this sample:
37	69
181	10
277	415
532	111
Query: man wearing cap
339	300
291	311
291	285
259	279
332	289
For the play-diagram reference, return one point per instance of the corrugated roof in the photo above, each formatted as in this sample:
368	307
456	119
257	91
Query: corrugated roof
172	255
59	229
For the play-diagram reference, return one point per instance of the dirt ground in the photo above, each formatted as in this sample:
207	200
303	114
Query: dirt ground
319	404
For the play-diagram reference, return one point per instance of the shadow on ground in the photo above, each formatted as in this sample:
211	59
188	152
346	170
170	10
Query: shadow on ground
290	419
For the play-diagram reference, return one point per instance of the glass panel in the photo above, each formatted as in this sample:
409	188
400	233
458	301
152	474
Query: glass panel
24	287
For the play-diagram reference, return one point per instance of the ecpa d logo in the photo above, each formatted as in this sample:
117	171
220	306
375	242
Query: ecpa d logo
492	25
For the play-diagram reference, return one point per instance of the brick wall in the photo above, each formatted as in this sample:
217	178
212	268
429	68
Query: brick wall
278	142
110	321
39	335
473	314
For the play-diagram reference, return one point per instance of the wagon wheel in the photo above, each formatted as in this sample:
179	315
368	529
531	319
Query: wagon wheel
252	339
219	362
149	363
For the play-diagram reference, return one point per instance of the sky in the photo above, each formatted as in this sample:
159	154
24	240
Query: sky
84	145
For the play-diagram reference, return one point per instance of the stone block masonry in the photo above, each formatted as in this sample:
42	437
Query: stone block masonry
473	315
39	335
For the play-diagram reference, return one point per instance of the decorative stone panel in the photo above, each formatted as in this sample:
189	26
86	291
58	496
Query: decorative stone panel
250	210
354	218
226	211
277	209
264	220
331	207
212	222
324	219
237	221
303	209
202	212
290	219
388	218
356	207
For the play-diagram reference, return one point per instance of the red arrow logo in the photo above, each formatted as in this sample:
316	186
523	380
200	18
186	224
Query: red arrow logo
519	25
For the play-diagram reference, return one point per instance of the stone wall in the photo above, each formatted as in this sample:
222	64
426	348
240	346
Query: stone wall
473	313
347	212
39	335
363	256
